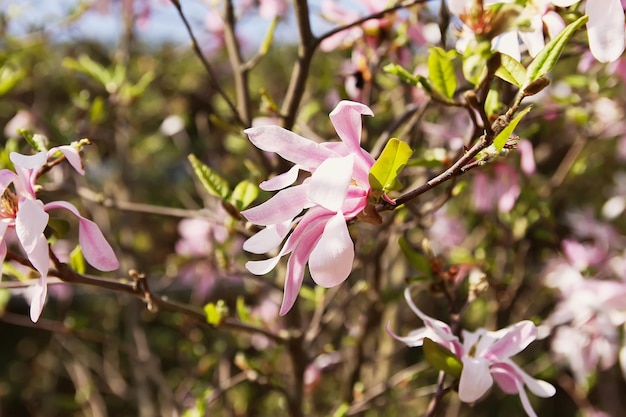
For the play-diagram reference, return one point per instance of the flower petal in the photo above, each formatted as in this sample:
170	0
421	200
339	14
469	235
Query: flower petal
292	147
513	340
346	118
441	329
525	401
94	246
281	181
329	183
538	387
267	239
264	266
331	260
475	379
30	222
297	262
38	299
283	206
606	29
72	155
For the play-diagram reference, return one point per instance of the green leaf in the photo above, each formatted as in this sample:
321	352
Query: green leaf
36	141
5	296
215	312
212	182
58	227
9	78
549	55
342	410
511	70
417	260
441	71
401	72
77	260
244	194
441	358
503	136
383	175
242	310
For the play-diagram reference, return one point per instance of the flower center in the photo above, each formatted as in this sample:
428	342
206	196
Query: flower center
8	205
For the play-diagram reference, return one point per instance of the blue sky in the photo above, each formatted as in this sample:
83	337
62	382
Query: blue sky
164	24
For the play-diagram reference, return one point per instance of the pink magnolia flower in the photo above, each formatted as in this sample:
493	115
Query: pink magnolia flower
270	9
336	191
485	356
22	211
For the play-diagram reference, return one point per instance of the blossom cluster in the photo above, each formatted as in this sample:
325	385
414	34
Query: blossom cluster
23	212
485	356
336	191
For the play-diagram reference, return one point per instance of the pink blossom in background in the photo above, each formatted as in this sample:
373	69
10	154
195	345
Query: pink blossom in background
485	356
270	9
333	12
336	191
22	211
605	27
500	190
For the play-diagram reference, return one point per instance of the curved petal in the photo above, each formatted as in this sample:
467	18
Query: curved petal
331	260
525	401
94	246
441	329
281	181
564	3
507	43
533	38
538	387
329	183
30	222
514	339
415	337
26	167
267	239
606	29
72	155
283	206
264	266
292	147
6	178
346	118
475	379
296	265
38	299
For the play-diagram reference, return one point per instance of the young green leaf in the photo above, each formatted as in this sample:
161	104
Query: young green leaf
441	358
416	259
243	312
441	71
549	55
511	70
215	312
383	175
77	261
503	136
401	72
244	194
212	182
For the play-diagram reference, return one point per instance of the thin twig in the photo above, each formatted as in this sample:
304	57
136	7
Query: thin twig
212	77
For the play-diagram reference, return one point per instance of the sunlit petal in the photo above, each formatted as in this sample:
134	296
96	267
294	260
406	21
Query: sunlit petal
93	244
475	379
606	29
292	147
331	259
329	183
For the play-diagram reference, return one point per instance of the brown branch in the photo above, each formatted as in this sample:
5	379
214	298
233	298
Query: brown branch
212	77
139	288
